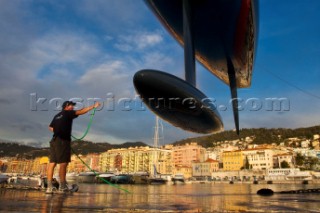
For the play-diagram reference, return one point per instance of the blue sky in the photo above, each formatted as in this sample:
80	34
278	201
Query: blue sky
57	50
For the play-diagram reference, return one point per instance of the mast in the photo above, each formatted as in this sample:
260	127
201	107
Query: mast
156	134
156	138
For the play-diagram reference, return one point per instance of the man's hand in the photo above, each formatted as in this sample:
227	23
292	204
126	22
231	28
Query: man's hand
87	109
96	104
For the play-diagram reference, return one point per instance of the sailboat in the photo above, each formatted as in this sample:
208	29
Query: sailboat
155	177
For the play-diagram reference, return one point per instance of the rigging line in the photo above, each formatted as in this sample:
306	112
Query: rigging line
97	175
294	86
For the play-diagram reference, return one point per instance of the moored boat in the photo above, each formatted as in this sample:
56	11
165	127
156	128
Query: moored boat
157	180
104	177
4	178
140	177
122	179
72	177
87	177
178	178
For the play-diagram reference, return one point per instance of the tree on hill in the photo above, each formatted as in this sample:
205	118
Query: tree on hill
299	159
284	164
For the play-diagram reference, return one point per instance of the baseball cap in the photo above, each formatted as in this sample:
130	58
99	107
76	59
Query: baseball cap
67	103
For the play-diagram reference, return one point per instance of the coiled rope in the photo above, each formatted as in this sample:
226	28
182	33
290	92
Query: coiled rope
97	175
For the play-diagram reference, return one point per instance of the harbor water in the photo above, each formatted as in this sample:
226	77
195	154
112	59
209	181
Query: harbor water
196	197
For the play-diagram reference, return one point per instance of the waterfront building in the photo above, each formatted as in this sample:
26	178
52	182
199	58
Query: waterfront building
205	169
22	166
233	160
305	143
255	159
44	163
6	164
90	160
307	152
223	148
185	155
279	158
39	165
137	159
125	160
186	171
3	165
76	165
259	158
212	153
13	166
315	144
25	166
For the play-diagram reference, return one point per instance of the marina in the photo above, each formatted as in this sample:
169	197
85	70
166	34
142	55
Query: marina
272	176
208	197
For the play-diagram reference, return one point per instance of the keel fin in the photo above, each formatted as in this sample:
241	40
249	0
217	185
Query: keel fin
234	94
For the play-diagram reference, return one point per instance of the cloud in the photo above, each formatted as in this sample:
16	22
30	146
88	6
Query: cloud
113	16
138	41
109	76
64	47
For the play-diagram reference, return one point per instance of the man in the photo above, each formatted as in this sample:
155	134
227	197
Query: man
60	144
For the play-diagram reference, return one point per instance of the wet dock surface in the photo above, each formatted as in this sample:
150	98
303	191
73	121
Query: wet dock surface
218	197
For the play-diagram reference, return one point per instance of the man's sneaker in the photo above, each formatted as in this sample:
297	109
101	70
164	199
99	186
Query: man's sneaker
49	190
63	190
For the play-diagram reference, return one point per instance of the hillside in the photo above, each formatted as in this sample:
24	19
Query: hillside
14	149
261	136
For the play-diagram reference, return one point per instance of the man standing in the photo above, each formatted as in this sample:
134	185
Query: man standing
60	144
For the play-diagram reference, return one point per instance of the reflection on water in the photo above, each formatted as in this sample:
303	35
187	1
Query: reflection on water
163	198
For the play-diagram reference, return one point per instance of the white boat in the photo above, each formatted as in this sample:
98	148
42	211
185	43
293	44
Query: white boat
178	178
72	177
140	177
157	181
103	177
87	177
299	175
122	179
4	178
287	174
106	175
156	178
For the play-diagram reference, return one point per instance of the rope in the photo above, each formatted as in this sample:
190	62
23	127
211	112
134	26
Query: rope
293	85
97	175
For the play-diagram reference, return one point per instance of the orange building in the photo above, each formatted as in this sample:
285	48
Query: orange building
186	154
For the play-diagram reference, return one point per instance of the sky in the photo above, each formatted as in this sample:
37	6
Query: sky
54	50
